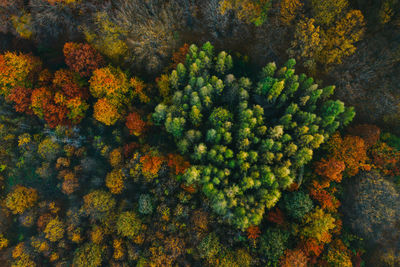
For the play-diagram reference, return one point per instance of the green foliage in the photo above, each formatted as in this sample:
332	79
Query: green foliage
88	255
297	204
145	204
273	244
209	247
247	139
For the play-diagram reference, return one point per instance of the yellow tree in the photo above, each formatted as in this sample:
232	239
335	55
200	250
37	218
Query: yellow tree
248	11
20	199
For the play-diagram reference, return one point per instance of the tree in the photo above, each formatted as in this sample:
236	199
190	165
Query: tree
149	31
21	97
20	199
297	204
351	150
135	124
246	139
128	224
327	12
151	164
255	12
107	37
98	203
289	10
82	58
115	181
317	224
273	244
307	42
372	208
294	258
369	133
54	230
105	112
330	169
89	254
17	70
209	247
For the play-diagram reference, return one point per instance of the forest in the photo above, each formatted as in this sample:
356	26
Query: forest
231	133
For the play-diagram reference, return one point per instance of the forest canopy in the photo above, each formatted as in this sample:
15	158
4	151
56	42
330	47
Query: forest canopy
199	133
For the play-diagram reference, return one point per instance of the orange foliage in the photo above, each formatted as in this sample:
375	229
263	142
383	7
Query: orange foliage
106	112
351	150
369	133
135	124
151	165
253	232
312	247
179	56
330	169
177	163
21	97
387	159
70	184
82	58
139	90
17	70
190	189
67	81
325	199
294	258
276	216
129	148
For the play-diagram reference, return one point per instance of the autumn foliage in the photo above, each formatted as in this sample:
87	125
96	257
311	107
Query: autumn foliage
20	199
351	150
82	58
135	124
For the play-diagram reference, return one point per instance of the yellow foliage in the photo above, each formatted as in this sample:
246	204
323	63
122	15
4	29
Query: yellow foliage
23	25
339	40
115	181
54	230
307	41
24	139
105	112
326	12
115	157
16	70
54	256
139	90
107	38
163	86
118	249
248	11
20	199
110	83
3	242
96	235
289	10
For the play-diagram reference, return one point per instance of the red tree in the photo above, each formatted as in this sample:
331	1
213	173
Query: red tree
135	124
82	58
21	97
